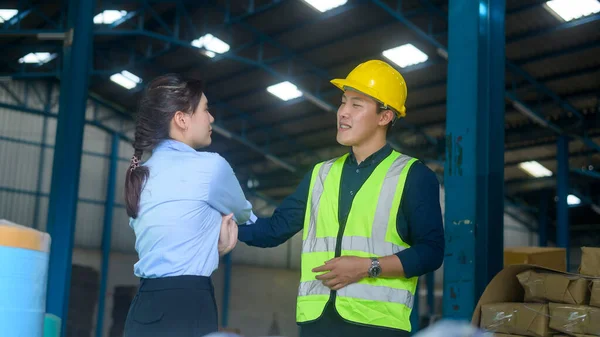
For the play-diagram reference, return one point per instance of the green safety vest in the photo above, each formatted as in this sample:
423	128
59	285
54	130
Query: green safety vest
370	231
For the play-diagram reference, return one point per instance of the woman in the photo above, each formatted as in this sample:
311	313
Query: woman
184	207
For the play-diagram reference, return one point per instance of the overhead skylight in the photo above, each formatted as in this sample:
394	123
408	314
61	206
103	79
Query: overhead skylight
126	79
109	16
405	55
285	91
212	44
325	5
570	10
7	14
38	58
573	200
535	169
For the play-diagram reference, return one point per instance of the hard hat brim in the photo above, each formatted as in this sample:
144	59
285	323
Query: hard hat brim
344	84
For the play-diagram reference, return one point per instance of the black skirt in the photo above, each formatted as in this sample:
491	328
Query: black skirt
182	306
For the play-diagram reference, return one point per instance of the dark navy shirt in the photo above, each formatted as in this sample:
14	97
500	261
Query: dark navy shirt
419	221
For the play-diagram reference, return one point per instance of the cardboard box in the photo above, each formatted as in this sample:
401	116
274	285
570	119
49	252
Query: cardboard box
554	287
505	287
548	257
595	296
575	319
528	319
590	261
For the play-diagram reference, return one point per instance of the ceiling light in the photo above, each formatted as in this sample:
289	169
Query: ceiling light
109	16
212	44
126	79
570	10
573	200
405	55
535	169
285	91
7	14
325	5
39	58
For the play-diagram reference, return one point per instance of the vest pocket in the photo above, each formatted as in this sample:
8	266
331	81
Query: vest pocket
147	309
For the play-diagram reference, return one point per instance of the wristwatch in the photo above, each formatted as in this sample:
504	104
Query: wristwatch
375	269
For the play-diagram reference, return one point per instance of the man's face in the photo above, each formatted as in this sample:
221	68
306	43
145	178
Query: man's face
357	118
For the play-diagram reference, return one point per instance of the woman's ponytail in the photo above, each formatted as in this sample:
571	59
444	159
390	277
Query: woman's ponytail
134	181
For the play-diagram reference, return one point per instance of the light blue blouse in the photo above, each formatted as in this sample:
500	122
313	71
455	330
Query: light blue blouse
178	224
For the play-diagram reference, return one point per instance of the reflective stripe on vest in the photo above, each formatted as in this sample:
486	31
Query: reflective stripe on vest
389	298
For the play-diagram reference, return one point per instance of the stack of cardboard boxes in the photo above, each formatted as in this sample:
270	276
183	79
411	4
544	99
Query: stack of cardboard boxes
541	299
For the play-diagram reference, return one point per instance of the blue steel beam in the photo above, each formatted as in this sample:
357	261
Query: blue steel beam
107	230
259	64
510	66
556	28
62	206
474	167
329	14
562	191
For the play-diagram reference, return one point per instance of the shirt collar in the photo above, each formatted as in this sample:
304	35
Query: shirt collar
173	145
373	159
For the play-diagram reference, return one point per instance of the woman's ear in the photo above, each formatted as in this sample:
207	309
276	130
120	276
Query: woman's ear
180	120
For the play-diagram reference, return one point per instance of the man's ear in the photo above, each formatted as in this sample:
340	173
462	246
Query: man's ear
180	120
386	117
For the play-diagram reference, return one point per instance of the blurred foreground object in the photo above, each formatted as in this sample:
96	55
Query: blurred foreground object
24	256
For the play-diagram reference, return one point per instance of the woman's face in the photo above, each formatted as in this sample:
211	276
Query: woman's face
200	130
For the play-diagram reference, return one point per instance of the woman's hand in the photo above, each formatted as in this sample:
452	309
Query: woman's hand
228	235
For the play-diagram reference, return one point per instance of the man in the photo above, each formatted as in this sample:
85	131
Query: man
371	218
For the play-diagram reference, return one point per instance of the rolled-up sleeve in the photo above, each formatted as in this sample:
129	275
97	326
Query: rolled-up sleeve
225	193
422	210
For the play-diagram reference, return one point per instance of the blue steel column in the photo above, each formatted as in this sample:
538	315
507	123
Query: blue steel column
562	190
543	221
66	165
474	169
107	230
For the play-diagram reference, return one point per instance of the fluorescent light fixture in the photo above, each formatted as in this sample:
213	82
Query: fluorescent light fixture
209	53
535	169
126	79
212	44
39	58
405	55
285	90
7	14
109	16
568	10
325	5
572	200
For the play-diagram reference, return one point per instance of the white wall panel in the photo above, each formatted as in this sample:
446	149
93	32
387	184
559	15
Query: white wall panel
88	228
19	165
17	207
93	177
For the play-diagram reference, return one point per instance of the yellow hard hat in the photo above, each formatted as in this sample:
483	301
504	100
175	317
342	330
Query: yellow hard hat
379	80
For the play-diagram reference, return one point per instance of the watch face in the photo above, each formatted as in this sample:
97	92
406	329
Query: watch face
375	271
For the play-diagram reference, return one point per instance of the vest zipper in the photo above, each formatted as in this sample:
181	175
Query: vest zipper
338	253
